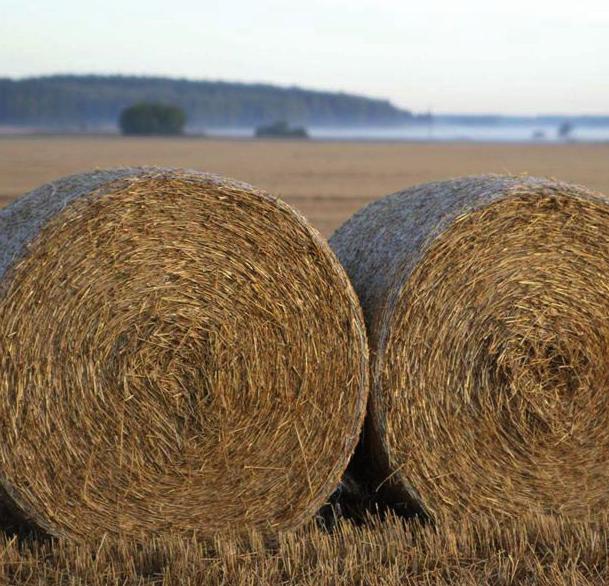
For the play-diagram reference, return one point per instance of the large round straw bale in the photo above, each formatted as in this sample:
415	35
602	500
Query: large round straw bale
487	305
178	353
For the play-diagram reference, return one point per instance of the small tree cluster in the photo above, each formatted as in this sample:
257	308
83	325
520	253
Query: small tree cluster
148	118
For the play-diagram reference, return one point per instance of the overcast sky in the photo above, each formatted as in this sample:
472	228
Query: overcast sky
511	56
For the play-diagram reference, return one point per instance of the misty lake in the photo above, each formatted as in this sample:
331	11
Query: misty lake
443	131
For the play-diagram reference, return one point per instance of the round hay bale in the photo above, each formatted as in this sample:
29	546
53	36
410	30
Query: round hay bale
179	353
487	306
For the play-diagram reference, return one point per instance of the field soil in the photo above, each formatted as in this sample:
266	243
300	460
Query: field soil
327	181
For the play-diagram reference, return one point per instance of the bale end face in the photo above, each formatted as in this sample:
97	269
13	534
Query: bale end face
489	333
179	353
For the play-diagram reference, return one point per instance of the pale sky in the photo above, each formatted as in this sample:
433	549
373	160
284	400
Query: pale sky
508	56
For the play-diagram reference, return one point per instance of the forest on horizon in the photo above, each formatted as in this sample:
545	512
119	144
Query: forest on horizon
92	102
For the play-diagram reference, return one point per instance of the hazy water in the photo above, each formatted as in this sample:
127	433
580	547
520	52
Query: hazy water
540	133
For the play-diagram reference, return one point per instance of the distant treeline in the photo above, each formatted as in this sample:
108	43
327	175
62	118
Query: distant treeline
91	102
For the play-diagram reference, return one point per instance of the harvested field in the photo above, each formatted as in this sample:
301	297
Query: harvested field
328	182
536	550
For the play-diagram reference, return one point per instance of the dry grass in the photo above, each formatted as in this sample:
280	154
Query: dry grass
534	550
178	353
486	304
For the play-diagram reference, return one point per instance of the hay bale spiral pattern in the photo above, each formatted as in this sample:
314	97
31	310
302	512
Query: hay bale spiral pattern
178	353
487	305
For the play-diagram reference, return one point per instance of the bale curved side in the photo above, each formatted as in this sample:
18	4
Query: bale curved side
178	353
486	304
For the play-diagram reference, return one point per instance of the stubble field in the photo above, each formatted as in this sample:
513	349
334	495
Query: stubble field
327	181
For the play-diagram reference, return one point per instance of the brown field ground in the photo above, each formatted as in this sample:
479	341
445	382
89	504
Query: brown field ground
328	182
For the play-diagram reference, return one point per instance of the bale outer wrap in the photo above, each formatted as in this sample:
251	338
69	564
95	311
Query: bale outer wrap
485	300
179	353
